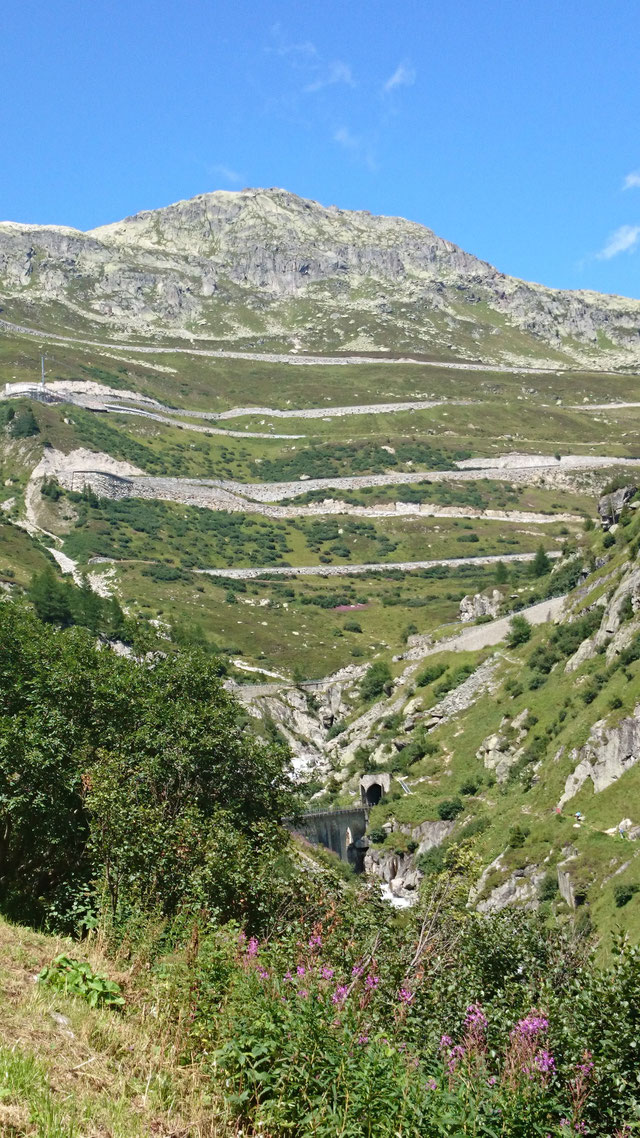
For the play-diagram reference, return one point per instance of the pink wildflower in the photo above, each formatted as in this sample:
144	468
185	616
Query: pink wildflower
372	982
533	1024
544	1062
357	970
327	973
253	946
475	1018
303	993
301	970
405	995
340	994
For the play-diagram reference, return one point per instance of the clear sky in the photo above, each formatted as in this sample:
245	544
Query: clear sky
511	127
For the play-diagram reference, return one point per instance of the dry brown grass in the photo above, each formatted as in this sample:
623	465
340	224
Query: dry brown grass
99	1073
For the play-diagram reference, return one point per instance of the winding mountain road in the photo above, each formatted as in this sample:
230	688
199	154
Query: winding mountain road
374	567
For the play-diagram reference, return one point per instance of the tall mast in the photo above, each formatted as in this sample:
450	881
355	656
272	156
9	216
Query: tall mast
42	366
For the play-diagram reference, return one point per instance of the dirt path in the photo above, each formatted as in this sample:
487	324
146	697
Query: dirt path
374	567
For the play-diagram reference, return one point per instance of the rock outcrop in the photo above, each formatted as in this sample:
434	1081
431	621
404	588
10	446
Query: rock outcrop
609	752
611	505
500	751
472	607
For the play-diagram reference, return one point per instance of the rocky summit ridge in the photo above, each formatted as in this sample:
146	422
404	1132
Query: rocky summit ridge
264	268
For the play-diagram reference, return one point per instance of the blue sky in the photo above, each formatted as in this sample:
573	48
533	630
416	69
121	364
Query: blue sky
511	127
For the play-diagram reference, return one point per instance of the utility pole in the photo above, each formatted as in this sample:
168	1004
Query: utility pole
42	366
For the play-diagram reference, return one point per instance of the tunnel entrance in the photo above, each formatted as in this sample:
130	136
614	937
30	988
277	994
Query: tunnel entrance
373	794
373	787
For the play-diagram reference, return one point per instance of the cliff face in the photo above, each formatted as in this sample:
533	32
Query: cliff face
265	266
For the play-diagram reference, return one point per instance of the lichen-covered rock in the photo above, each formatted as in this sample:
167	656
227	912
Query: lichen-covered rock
477	605
501	750
608	753
519	888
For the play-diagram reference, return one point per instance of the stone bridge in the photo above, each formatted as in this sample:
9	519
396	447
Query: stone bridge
342	831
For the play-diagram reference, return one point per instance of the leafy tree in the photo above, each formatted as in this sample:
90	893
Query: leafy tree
519	631
376	680
24	424
50	598
502	574
135	781
541	564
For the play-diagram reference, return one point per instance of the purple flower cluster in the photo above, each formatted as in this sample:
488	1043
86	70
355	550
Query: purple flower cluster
475	1018
405	995
532	1025
340	994
586	1068
253	946
371	982
327	973
544	1062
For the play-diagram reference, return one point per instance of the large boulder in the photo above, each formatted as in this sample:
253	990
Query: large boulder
611	505
472	607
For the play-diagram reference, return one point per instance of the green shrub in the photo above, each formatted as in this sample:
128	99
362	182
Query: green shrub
548	887
518	836
623	894
377	835
430	673
77	978
469	787
376	680
519	631
449	809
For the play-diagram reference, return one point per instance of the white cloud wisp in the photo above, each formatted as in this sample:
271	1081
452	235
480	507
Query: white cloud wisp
632	181
403	76
622	240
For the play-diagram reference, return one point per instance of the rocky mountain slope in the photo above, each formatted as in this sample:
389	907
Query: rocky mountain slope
267	269
528	746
